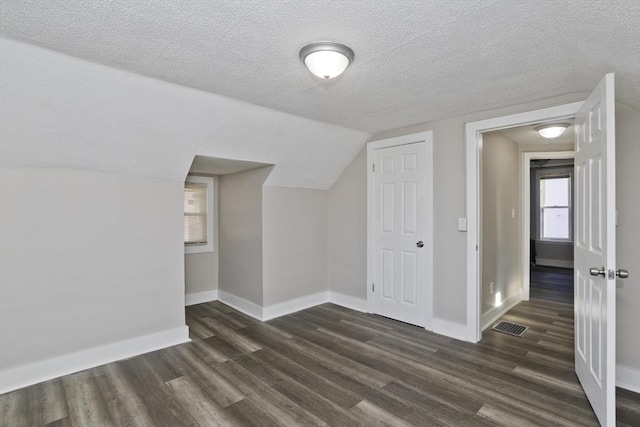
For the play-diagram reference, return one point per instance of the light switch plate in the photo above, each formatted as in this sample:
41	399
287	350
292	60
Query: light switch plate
462	224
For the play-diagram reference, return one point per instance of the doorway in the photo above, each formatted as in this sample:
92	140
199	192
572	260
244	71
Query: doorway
553	247
595	254
516	169
548	278
474	143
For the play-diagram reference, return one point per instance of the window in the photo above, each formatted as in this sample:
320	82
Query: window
555	207
198	213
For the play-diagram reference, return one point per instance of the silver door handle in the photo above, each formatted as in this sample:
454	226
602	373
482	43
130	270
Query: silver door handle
420	244
622	273
595	271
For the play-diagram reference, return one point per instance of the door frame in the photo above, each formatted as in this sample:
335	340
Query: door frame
527	156
372	146
473	181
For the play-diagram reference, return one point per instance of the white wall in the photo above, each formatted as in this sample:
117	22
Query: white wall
628	238
87	259
347	228
554	254
241	230
501	246
294	243
200	272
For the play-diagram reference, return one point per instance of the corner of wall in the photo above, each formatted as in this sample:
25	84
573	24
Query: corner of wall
47	369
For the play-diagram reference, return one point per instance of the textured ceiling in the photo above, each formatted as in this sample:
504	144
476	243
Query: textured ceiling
416	61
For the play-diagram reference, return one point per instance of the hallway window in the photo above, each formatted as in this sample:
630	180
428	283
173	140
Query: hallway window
198	211
555	207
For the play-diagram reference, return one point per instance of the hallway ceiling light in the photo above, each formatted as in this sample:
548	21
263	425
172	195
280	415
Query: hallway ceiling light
552	130
326	59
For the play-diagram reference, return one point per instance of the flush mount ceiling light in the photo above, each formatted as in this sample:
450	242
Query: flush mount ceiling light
552	130
326	59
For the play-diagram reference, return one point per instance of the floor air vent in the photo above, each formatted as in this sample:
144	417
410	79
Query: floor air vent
511	328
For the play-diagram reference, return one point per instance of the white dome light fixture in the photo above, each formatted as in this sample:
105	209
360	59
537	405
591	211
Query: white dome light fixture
326	59
552	130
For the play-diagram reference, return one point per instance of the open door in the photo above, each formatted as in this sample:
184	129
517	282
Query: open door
595	250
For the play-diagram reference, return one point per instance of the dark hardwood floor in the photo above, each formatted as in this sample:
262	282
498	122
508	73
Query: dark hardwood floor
332	366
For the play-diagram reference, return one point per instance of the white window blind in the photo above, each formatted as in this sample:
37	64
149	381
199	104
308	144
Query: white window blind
195	213
555	207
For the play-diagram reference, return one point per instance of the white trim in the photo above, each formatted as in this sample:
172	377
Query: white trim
294	305
211	217
33	373
282	309
450	329
496	312
526	211
348	301
427	137
473	145
554	263
628	378
240	304
200	297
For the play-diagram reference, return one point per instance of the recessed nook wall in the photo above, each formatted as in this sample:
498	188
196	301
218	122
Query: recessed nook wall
202	269
241	234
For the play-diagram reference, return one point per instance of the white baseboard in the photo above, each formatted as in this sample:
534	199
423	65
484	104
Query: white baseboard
44	370
628	378
200	297
353	303
554	263
291	306
494	314
450	329
240	304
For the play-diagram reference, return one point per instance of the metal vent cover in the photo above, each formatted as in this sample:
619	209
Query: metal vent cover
511	328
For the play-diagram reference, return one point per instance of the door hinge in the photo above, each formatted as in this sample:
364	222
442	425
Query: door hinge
373	287
373	167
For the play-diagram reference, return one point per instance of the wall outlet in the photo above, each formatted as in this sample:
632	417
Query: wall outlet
492	288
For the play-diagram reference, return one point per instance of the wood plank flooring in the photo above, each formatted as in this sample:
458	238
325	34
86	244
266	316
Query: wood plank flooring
332	366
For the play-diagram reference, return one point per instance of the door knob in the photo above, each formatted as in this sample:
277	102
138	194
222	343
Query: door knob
420	244
622	273
595	271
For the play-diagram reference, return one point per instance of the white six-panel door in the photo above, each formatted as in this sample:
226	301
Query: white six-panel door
595	308
402	238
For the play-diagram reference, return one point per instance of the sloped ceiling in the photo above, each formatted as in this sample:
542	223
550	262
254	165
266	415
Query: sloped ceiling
203	165
57	111
416	61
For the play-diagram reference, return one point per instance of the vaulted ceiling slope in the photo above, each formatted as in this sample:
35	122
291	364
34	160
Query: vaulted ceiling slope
416	61
57	111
